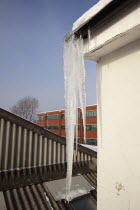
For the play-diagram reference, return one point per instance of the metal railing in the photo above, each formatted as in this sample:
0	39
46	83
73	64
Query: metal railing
25	144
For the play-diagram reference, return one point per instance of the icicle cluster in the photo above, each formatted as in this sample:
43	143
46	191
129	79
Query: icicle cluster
74	75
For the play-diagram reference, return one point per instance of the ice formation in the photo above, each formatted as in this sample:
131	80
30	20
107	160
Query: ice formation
73	193
74	75
48	200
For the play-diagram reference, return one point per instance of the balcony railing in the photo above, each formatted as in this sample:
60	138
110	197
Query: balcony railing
24	144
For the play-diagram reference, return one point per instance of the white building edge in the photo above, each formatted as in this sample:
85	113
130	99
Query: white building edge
115	45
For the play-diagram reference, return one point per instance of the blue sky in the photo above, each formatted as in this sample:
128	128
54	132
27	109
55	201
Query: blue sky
31	50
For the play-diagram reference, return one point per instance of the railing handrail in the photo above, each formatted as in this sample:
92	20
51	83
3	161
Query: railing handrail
41	131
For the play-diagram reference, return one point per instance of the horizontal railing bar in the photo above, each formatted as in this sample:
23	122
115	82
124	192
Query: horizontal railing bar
37	175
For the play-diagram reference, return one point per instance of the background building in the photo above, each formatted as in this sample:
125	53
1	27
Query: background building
55	122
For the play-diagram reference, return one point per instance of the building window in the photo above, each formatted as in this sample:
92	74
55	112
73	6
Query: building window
78	140
63	127
78	127
85	202
41	118
63	116
91	113
91	141
52	127
91	127
53	117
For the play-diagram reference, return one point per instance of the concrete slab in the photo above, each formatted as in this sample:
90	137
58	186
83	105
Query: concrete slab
80	186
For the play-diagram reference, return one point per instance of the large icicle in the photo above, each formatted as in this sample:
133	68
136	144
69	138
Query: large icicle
74	75
81	82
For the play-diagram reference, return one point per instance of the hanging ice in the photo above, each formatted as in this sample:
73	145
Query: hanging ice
74	74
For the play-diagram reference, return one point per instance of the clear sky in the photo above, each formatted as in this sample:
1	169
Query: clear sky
31	50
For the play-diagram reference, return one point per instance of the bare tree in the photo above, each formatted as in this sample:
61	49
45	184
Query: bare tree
26	108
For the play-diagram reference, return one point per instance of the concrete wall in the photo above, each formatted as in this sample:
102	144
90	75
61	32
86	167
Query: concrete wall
118	95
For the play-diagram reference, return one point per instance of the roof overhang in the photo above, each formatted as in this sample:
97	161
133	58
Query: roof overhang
112	25
113	44
91	13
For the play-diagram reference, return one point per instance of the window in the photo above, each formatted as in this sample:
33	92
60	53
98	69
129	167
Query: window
53	117
78	140
91	113
78	127
84	202
91	141
63	116
91	127
63	127
52	127
41	118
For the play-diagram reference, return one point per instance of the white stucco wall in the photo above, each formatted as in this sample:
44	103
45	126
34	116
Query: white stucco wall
118	102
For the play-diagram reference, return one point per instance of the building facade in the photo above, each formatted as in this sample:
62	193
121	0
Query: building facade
55	122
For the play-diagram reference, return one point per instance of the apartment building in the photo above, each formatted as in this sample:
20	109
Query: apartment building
55	122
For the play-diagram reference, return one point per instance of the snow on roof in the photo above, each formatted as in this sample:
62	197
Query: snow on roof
42	113
90	14
91	105
94	148
50	111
